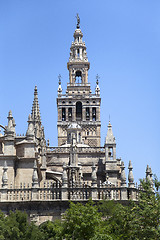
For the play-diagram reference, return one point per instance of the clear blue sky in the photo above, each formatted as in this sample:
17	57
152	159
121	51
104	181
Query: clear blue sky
123	47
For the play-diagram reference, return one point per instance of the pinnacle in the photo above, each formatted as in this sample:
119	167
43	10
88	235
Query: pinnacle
35	107
10	114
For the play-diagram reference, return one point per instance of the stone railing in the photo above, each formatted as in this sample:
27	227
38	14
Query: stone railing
108	194
55	192
79	149
46	191
79	193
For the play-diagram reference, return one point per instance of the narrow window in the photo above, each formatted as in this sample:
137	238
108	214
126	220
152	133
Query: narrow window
87	113
78	111
78	52
78	78
79	138
69	138
94	114
110	152
63	114
70	114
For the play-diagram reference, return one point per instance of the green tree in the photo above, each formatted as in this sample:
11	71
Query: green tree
52	230
138	220
81	222
17	227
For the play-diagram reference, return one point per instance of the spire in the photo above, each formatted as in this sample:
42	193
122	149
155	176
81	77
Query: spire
78	64
35	107
59	87
130	175
110	139
97	90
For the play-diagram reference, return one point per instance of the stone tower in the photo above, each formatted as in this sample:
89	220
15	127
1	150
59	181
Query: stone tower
78	105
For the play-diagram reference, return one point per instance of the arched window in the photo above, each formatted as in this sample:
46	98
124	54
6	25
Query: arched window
94	114
70	114
78	78
78	111
79	138
69	138
63	114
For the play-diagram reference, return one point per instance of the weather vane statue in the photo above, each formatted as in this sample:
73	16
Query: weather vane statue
78	20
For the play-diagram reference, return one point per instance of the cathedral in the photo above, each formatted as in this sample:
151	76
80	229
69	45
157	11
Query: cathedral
39	178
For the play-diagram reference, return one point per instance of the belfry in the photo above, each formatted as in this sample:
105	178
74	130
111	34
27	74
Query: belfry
39	178
78	104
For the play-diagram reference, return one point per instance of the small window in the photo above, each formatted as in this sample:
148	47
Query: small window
78	78
94	114
110	152
69	138
63	102
70	114
87	113
78	111
63	114
78	52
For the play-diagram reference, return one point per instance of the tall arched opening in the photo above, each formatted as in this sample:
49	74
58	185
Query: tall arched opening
79	111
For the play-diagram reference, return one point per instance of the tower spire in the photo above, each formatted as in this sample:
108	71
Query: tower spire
35	108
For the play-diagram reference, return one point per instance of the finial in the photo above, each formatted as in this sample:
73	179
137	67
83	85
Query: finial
97	77
10	114
130	175
78	20
123	175
59	77
35	90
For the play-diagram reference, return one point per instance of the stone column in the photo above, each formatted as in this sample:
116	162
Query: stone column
98	114
123	183
90	111
35	184
83	114
94	182
4	183
59	114
66	114
74	113
64	189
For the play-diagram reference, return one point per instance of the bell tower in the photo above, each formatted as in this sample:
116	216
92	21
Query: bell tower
78	105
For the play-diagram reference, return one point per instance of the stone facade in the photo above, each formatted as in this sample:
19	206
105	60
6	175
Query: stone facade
40	179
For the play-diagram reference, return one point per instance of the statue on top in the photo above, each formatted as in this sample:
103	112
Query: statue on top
78	20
